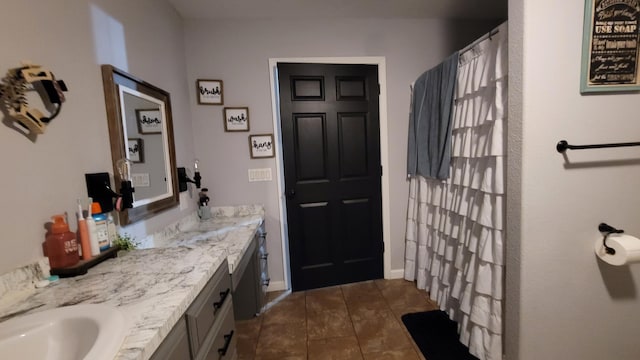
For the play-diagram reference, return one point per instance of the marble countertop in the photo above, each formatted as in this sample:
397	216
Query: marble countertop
153	286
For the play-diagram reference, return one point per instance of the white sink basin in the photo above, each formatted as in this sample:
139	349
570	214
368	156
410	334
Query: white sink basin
89	332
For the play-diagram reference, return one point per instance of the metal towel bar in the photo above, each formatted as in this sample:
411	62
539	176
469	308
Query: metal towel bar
563	146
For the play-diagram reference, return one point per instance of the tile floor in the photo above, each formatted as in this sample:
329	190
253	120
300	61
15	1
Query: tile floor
353	321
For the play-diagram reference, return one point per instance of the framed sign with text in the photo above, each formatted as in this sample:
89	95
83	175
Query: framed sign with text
209	92
261	146
610	46
149	121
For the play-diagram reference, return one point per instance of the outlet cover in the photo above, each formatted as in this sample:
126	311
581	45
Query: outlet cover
140	180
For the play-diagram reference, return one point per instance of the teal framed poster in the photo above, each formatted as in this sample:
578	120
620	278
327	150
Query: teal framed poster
610	46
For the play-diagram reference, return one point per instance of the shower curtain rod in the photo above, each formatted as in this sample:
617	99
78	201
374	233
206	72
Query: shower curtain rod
482	38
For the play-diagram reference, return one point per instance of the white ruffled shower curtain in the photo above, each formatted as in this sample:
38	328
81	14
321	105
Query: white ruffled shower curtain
455	228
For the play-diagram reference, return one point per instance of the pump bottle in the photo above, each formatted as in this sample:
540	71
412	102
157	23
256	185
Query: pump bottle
61	244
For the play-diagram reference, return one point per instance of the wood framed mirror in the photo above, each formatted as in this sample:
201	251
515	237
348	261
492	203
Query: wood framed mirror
141	130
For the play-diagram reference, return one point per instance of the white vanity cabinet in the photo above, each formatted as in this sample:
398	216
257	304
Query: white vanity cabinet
207	329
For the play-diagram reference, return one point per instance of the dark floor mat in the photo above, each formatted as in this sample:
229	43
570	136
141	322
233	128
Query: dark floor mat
436	335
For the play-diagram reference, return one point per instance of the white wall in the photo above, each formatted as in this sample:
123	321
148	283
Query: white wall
237	52
562	302
72	38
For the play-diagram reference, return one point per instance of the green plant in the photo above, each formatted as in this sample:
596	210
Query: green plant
125	242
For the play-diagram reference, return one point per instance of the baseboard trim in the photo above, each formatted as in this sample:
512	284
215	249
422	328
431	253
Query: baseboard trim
276	286
396	274
280	285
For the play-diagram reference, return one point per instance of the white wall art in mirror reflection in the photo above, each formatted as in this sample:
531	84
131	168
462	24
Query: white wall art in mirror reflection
149	121
135	150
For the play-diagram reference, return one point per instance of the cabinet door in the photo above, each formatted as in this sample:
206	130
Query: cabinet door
263	274
245	296
176	345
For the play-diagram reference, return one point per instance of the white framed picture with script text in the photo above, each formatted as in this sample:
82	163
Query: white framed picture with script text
149	121
236	119
261	146
210	92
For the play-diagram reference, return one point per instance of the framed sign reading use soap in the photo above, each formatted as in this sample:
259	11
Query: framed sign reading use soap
610	46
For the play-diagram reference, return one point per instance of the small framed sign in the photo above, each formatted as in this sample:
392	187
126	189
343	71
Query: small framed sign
261	146
236	119
210	92
135	150
610	46
149	121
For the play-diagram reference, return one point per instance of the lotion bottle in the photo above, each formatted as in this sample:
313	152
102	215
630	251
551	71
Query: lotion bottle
102	230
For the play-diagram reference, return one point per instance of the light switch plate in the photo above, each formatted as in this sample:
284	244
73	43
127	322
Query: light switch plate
259	174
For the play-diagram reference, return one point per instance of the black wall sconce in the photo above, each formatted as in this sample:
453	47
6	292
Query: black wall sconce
125	201
99	188
183	179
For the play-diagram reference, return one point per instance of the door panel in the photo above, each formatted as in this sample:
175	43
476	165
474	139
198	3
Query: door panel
353	145
316	226
311	141
331	147
358	216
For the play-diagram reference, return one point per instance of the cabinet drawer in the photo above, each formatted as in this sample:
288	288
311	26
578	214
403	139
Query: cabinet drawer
223	346
176	345
207	307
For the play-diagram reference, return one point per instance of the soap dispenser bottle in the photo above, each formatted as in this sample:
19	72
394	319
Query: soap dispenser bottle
61	244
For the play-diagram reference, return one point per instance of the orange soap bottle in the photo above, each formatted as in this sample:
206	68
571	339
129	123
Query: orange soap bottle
61	244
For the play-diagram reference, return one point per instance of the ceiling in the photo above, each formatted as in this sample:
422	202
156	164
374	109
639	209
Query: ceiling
408	9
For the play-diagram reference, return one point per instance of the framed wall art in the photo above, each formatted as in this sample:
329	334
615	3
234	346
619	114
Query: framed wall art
261	146
149	121
610	46
135	150
236	119
210	92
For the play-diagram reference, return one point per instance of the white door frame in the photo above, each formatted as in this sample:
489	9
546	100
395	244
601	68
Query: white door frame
380	61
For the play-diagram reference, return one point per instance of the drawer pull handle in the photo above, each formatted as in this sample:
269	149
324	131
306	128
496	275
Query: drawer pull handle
218	304
227	341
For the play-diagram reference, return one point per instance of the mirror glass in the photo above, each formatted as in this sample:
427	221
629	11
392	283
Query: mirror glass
141	130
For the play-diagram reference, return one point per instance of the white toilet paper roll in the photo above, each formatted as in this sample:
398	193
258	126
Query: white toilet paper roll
627	249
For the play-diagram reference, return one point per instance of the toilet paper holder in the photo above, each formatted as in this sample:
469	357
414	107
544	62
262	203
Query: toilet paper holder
608	230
